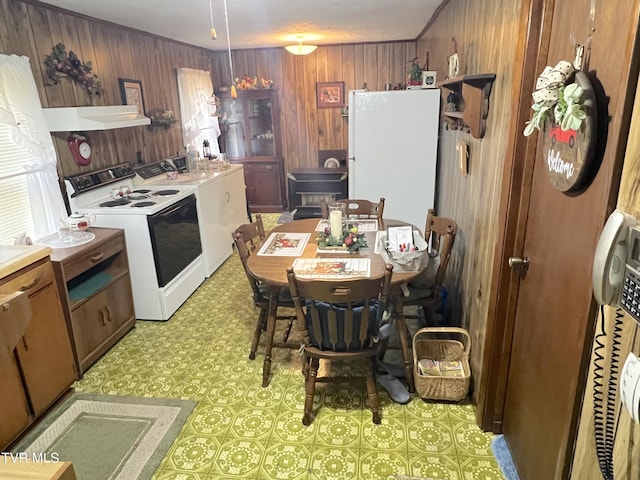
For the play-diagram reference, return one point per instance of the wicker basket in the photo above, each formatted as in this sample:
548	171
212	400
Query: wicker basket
435	343
407	261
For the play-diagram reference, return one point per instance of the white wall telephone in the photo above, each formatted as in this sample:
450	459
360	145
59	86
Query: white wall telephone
616	266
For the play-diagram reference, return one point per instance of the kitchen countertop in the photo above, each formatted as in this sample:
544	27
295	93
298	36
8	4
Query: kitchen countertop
15	257
196	177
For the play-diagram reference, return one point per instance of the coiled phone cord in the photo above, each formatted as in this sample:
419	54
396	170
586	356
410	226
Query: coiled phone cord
604	420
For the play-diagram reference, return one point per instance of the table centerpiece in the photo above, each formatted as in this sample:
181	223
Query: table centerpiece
350	241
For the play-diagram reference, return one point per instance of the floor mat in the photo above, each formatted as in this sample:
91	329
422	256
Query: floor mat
503	456
108	436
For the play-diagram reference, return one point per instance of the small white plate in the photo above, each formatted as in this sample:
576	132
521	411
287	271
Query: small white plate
54	240
331	163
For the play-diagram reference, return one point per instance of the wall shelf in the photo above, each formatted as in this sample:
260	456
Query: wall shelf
471	95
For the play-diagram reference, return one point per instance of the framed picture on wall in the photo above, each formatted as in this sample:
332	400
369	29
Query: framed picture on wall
330	94
131	93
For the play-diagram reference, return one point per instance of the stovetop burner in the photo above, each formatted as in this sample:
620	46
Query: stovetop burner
141	190
143	204
115	203
166	192
137	195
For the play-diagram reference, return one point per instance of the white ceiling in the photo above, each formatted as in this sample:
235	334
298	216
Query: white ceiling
264	23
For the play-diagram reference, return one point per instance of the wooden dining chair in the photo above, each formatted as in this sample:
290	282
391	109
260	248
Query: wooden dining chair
425	291
356	208
248	238
339	320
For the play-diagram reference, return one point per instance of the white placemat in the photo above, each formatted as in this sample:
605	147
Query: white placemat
285	244
332	267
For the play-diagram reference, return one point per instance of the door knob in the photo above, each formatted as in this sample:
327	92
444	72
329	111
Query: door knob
518	262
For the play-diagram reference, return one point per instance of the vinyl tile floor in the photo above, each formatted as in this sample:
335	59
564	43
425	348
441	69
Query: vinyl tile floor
240	430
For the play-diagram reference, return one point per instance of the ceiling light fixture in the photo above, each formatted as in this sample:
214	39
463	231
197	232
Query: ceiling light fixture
300	49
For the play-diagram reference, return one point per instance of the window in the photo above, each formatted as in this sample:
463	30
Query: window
14	196
194	90
30	196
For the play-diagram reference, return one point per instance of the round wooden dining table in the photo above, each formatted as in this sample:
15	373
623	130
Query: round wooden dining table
272	270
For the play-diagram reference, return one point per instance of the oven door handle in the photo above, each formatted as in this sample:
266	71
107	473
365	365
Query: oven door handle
179	205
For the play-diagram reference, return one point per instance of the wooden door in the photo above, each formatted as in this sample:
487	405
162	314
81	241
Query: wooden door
552	329
554	313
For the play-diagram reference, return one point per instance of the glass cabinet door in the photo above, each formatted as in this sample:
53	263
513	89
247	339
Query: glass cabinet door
234	126
261	127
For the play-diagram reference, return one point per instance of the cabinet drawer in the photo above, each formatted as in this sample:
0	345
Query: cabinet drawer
29	281
93	257
261	167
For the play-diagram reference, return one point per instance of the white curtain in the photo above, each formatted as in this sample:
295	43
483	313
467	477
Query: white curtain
195	88
21	111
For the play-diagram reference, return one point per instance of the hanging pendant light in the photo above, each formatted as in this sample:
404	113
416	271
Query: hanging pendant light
213	102
214	34
234	93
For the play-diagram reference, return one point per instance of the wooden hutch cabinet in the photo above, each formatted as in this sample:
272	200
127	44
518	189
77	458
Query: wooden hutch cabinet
251	135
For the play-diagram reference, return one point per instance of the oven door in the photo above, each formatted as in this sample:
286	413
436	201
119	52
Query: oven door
175	238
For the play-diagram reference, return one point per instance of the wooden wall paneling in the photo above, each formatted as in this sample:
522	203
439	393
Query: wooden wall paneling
472	200
359	66
68	27
397	72
292	111
161	146
384	67
311	118
242	65
120	141
348	74
334	126
49	94
627	440
262	69
322	131
219	69
41	36
57	36
106	144
139	71
88	51
370	73
4	28
129	139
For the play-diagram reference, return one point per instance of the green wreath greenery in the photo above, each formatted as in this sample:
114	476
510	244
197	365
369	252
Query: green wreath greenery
568	111
351	240
60	64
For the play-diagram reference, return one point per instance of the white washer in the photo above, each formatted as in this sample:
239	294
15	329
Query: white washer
221	202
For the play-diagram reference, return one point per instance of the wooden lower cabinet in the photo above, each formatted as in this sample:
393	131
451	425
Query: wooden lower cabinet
265	186
40	367
101	321
14	408
44	354
97	299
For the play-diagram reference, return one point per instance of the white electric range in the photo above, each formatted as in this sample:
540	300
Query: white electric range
221	202
161	230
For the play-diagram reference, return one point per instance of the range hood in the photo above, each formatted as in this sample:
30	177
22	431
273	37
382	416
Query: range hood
81	119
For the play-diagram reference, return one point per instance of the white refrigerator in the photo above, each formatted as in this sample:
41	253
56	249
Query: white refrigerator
393	146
